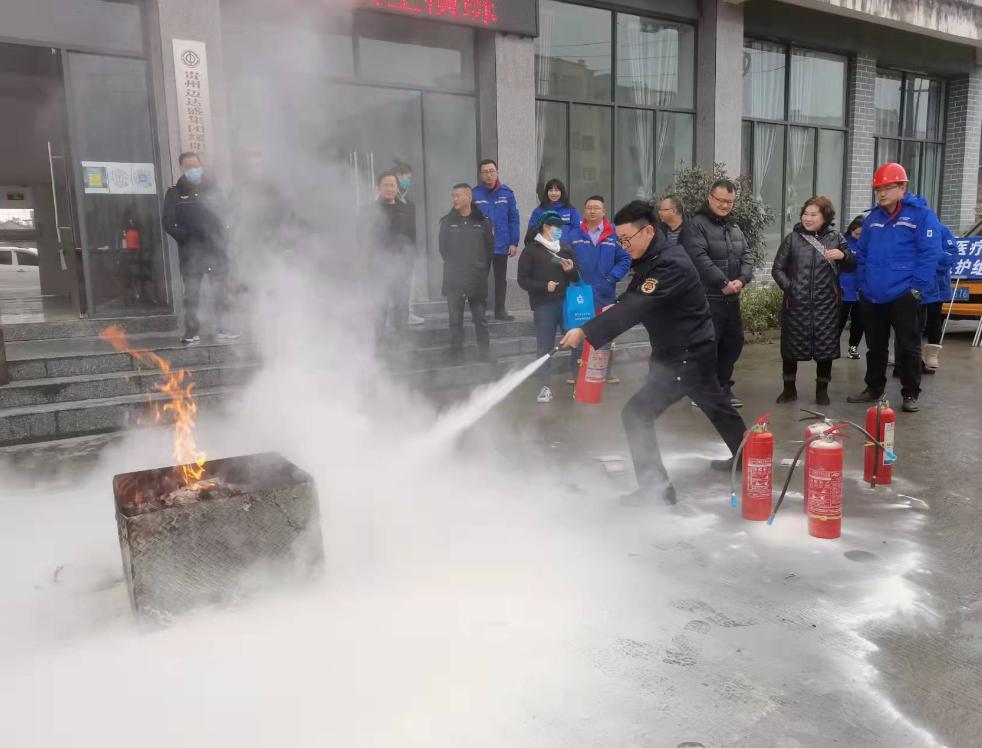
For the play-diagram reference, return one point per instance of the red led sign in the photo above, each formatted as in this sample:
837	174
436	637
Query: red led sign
515	16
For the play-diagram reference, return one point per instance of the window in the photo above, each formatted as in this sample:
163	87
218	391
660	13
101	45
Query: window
28	259
794	129
616	96
6	257
909	129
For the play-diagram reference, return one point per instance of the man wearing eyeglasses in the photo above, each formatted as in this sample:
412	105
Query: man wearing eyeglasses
666	296
897	256
722	256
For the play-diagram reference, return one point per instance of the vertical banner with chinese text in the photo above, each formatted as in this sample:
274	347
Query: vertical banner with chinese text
193	102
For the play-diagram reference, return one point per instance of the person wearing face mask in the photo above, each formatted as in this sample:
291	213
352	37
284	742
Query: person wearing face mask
547	265
807	268
194	215
555	198
404	173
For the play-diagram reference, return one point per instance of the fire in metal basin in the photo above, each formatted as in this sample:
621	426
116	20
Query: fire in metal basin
251	524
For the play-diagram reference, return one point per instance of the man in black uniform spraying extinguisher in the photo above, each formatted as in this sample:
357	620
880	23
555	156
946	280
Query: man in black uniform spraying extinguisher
667	297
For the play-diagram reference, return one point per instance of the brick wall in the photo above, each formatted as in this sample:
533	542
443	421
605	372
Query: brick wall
963	132
862	120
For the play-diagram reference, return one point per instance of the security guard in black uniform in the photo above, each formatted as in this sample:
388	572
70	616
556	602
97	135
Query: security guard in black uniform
667	297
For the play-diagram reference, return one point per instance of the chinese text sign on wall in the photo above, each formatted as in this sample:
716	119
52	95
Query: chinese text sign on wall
514	16
968	259
193	101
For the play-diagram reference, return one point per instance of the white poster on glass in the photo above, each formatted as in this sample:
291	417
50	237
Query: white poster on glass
118	178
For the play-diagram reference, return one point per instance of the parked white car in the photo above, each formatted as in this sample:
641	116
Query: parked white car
19	273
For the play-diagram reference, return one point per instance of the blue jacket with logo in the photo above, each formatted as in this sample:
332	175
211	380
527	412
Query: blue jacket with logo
943	273
571	216
500	206
848	280
601	264
899	252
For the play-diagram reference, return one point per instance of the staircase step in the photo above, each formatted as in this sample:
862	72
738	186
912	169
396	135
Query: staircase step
58	420
102	360
33	392
82	328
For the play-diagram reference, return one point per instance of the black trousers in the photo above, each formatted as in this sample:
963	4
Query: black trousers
692	375
728	325
903	316
499	269
455	306
851	310
192	297
823	370
932	321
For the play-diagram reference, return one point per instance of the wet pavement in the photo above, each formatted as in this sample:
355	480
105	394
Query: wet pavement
500	594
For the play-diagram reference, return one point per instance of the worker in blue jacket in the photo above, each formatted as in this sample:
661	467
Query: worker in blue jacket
602	261
849	284
932	321
497	202
899	250
556	199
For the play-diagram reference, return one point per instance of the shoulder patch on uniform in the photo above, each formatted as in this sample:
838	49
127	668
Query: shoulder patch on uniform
649	285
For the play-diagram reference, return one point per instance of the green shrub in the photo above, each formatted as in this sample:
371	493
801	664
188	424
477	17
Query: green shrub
760	306
691	185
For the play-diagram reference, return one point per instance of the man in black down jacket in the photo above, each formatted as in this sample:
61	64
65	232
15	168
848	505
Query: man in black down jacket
722	256
194	214
666	296
466	246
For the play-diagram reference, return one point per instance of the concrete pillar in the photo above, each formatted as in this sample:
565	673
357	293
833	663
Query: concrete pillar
862	126
515	114
719	85
197	20
963	130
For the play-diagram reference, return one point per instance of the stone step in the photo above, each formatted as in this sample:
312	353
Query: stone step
59	420
100	359
83	328
33	392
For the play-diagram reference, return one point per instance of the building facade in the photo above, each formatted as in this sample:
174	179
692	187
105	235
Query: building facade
804	97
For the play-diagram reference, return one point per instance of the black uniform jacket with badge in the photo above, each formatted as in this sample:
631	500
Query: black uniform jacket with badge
466	246
666	296
719	251
195	216
810	315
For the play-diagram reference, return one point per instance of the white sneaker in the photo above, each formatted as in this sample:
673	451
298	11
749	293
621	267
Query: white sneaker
192	340
223	335
545	395
414	319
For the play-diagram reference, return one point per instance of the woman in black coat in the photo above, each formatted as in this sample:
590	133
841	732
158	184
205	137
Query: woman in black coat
547	265
807	269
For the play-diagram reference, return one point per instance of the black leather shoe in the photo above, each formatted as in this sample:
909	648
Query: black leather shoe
866	396
910	405
726	465
504	317
650	497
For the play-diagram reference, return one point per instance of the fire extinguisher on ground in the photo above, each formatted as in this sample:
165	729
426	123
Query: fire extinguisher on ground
593	371
758	472
823	484
878	459
814	429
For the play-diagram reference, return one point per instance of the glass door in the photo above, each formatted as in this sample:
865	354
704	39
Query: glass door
116	185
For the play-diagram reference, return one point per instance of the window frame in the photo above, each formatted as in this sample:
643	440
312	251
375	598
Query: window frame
613	104
900	139
787	123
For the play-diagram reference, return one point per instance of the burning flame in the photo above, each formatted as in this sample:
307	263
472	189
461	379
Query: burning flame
178	386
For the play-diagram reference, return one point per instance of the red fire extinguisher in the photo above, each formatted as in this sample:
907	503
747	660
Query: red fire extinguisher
878	464
131	235
823	485
593	371
814	429
758	472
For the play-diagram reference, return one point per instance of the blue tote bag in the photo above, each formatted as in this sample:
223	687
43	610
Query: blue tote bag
578	307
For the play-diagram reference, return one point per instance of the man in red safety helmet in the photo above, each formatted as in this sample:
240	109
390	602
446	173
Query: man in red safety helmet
897	256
